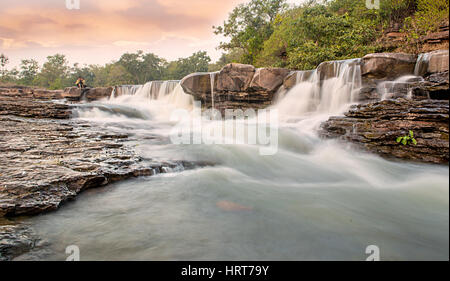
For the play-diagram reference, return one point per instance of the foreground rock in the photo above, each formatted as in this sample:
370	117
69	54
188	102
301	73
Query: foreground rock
376	127
26	107
16	240
45	163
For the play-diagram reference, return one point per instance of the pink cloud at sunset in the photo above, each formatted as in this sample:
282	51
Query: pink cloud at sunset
102	30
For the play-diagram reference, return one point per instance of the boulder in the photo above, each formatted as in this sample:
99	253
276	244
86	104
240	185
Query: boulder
235	77
98	93
72	94
438	61
330	69
388	65
268	79
197	84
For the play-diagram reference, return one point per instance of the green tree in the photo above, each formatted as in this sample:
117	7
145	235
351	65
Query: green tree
248	26
197	62
4	60
54	72
312	33
29	69
142	67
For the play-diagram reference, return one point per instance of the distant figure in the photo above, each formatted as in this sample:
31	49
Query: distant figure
81	83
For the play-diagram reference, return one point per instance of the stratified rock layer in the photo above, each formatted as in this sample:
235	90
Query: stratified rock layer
45	163
236	86
388	65
376	127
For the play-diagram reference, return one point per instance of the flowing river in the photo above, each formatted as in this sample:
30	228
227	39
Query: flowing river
314	199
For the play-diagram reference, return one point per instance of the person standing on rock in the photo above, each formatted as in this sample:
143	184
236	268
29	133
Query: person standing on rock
81	83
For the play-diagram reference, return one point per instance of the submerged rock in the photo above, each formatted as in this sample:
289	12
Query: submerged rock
15	240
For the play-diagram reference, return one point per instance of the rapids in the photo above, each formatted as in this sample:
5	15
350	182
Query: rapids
313	200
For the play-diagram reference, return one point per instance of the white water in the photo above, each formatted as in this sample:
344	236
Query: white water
390	89
313	200
422	64
212	76
318	99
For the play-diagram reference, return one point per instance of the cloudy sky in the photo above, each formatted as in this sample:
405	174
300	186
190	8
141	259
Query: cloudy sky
102	30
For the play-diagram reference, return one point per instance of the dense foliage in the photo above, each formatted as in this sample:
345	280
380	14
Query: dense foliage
303	36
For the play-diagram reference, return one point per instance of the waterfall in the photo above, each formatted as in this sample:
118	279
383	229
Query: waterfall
125	90
401	87
422	64
179	98
167	87
113	93
327	95
212	80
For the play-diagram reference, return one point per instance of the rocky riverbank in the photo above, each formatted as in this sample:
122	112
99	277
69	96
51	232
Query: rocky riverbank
398	92
48	159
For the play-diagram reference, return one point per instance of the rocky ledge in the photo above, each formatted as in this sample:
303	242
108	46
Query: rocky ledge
236	86
375	127
45	163
48	158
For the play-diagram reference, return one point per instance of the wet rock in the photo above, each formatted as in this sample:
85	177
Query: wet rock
26	107
435	86
15	240
388	65
376	126
268	79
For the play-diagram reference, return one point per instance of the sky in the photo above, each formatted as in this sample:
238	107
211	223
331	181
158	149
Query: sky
102	30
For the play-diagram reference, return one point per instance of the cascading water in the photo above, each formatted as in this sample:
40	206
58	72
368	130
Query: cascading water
314	199
212	76
329	96
401	87
422	64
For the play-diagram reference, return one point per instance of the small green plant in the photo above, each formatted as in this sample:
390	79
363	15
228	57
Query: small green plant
408	139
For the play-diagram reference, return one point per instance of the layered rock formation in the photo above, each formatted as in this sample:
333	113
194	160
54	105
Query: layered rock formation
235	86
31	108
376	127
47	162
417	104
